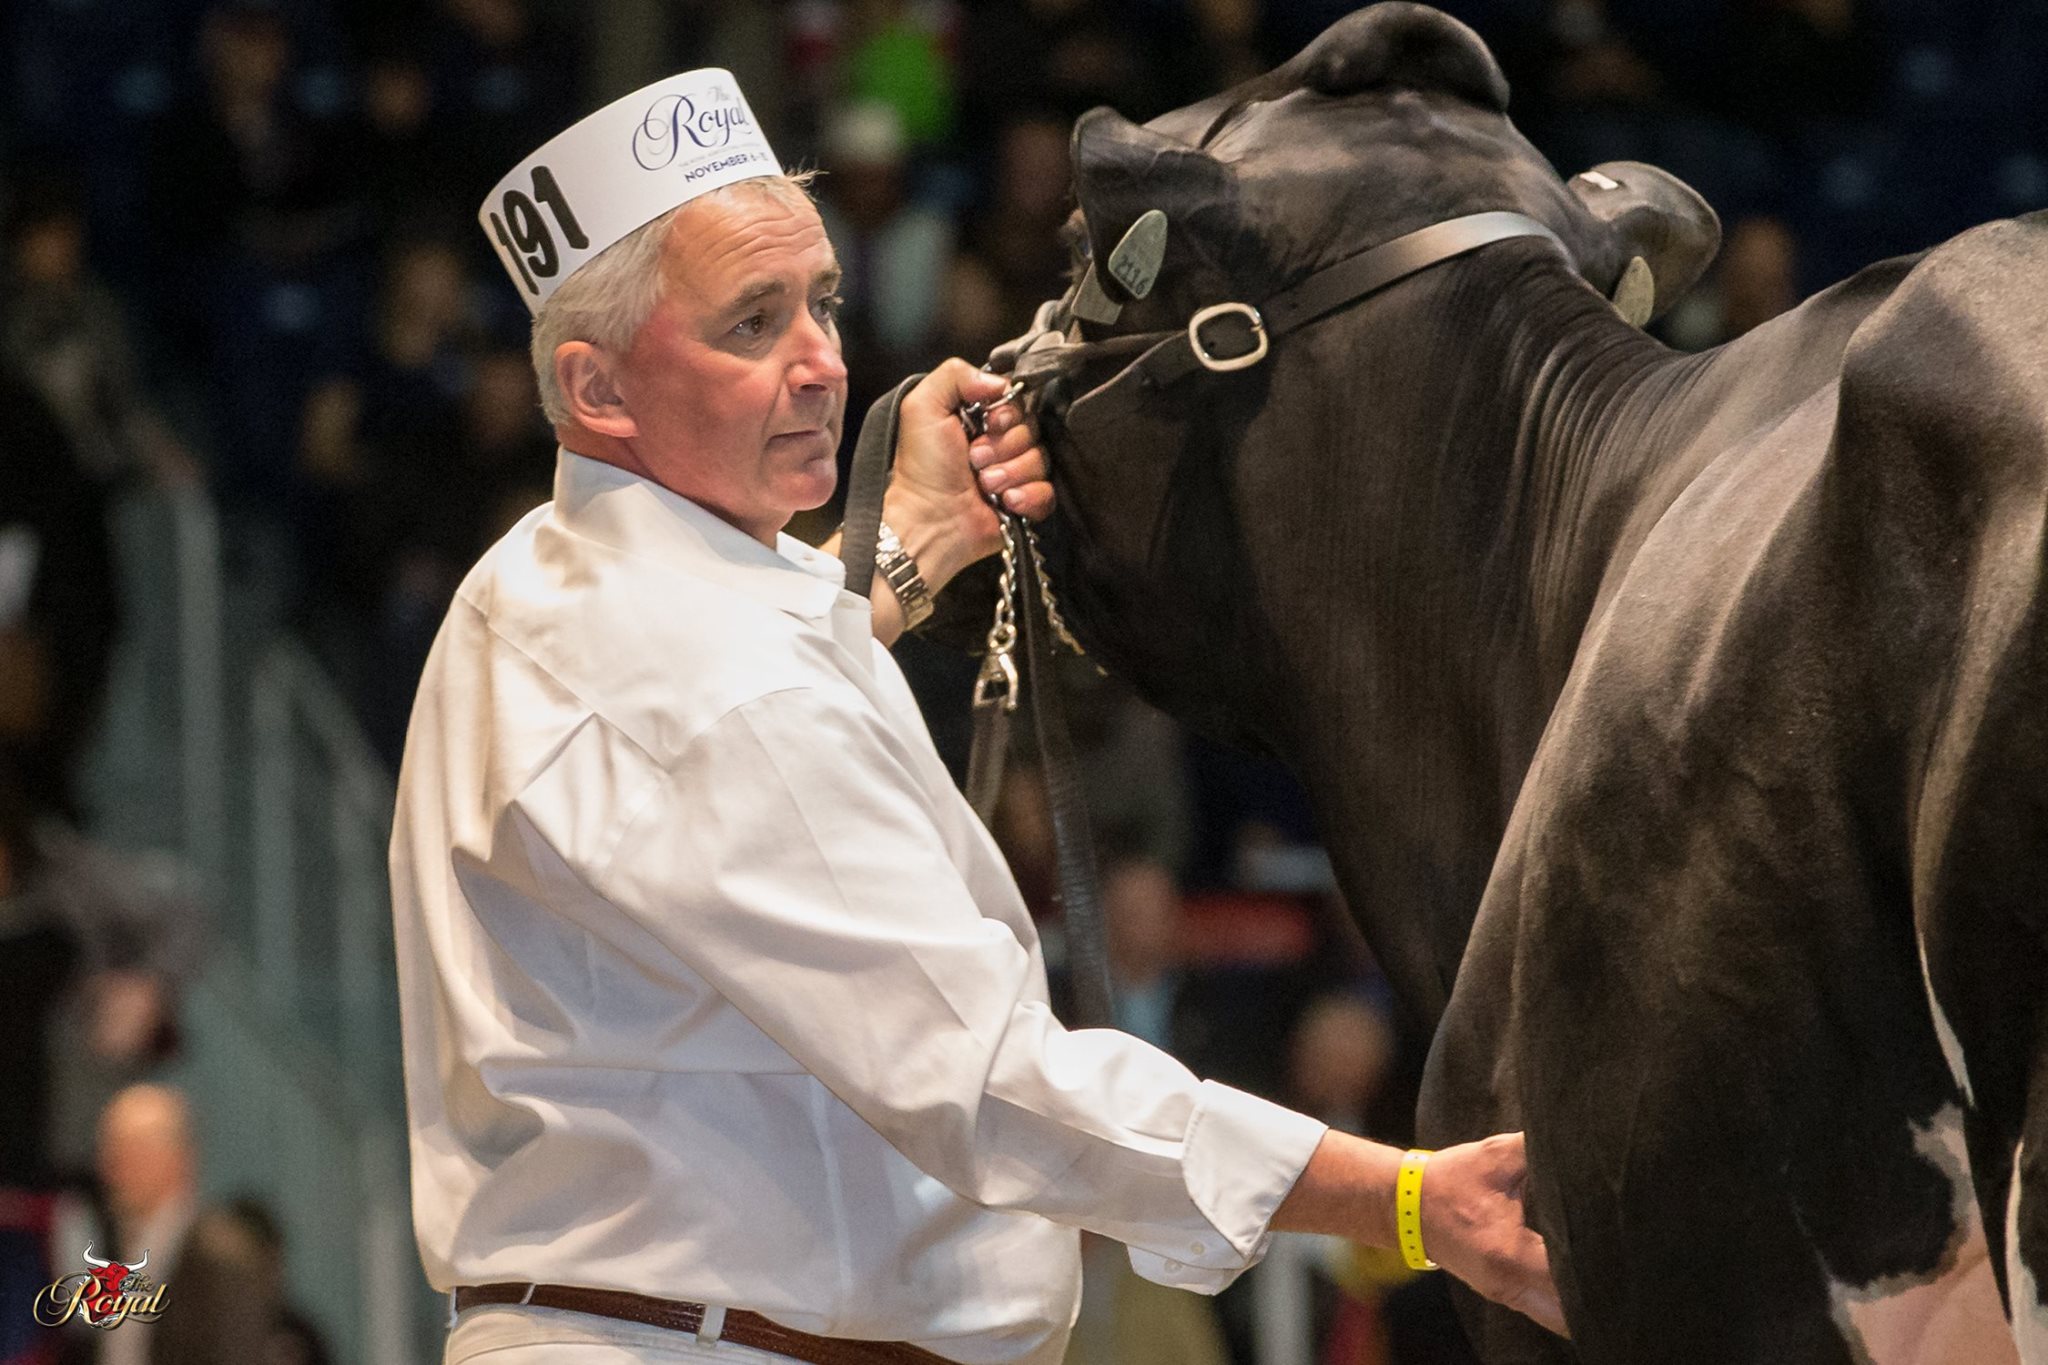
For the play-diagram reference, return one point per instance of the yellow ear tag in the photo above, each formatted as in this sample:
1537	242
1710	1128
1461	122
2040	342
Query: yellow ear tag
1635	295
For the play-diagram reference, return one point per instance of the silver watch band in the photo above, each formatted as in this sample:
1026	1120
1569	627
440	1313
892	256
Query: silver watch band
899	571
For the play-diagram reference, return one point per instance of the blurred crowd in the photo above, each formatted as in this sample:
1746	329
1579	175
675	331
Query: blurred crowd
238	252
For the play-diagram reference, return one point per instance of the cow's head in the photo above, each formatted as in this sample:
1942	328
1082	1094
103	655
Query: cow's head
1395	118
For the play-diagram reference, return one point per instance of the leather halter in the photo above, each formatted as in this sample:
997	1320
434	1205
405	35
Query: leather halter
1163	358
1174	355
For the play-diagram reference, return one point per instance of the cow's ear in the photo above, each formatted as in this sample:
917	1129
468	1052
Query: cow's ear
1653	215
1402	46
1123	171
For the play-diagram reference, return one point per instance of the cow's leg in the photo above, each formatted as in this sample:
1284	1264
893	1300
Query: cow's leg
2025	1249
1465	1095
1740	1123
1982	918
1949	1314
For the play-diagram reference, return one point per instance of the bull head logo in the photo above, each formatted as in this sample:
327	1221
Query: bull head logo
100	1302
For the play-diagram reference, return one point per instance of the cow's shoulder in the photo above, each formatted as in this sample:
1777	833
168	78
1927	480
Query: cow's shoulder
1950	375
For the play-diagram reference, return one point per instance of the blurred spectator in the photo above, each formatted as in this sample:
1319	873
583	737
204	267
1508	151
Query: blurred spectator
1594	62
59	600
894	252
224	1267
400	398
436	513
68	337
232	1303
503	81
1781	64
1071	55
1015	259
94	947
241	169
149	1174
1142	913
1022	826
379	438
409	173
1754	280
250	218
1132	763
1340	1054
1323	1295
896	54
1127	1320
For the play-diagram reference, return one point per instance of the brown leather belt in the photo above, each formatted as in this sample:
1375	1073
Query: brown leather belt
741	1327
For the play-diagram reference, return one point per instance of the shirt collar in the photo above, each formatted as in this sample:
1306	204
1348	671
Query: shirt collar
620	509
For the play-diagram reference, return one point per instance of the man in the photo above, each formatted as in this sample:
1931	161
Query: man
726	1030
148	1164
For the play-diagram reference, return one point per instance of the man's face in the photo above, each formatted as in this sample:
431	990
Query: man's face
735	382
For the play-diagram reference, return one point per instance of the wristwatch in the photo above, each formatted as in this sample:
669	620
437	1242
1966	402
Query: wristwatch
899	570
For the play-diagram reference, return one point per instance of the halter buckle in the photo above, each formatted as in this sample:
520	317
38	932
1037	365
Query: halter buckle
1225	364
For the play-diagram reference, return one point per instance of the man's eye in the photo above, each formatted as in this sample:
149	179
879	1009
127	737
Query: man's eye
828	307
752	326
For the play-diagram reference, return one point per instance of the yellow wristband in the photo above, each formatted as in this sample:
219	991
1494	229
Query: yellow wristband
1408	1210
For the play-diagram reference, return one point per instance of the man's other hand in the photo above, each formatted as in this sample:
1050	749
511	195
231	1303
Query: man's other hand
1475	1225
1474	1222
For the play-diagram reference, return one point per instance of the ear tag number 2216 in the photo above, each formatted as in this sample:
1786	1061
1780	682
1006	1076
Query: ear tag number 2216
529	242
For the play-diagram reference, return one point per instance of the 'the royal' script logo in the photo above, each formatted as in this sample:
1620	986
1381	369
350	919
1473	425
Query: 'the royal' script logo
104	1296
672	118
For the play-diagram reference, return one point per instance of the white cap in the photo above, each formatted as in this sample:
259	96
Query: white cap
620	169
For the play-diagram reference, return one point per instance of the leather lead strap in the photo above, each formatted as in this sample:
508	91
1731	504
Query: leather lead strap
866	481
985	760
1087	948
1074	847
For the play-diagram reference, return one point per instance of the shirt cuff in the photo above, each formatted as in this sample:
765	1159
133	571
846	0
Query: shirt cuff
1241	1157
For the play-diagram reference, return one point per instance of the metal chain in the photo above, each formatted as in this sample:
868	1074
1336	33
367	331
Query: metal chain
1052	610
999	665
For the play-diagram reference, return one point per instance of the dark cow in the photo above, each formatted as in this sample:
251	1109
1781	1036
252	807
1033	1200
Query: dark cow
1678	724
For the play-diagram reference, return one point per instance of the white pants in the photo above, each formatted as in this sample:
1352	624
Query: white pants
512	1334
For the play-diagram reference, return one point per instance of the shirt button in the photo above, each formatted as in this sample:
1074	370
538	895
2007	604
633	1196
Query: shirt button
1174	1267
1197	1248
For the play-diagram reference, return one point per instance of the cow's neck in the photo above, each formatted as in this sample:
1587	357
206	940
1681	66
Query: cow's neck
1520	442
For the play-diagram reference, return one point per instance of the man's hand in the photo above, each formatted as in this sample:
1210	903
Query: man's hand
935	499
1475	1226
1473	1220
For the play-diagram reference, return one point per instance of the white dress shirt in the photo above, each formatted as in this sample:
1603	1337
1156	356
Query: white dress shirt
714	988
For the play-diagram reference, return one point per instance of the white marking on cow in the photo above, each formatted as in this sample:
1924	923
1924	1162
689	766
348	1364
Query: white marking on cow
1951	1046
1947	1317
2029	1313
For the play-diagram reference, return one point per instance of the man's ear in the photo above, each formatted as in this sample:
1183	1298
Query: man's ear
585	375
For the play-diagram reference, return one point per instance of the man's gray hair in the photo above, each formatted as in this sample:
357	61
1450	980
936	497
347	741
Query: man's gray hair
606	302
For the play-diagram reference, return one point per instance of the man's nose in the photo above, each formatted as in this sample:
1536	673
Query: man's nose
818	362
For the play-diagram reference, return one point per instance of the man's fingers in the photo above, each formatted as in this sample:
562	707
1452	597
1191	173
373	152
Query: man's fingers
999	447
1032	501
1025	470
952	385
1538	1298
